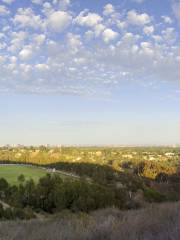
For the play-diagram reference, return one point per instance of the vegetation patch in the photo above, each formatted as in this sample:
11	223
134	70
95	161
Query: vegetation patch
12	172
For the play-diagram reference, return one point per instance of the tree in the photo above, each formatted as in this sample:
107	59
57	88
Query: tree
4	186
21	178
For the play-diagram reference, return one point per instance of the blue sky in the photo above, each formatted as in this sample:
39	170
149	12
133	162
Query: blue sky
89	72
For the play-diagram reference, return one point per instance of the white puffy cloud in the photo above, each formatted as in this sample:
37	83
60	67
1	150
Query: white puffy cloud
139	1
98	29
8	1
89	35
26	53
39	2
25	17
44	53
148	30
167	19
74	42
157	38
3	44
17	40
25	68
169	34
59	20
47	9
13	59
121	24
176	9
109	35
147	49
63	4
135	18
2	59
88	19
2	35
128	41
42	67
108	9
3	10
39	39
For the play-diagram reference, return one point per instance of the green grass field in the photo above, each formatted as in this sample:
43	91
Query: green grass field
12	172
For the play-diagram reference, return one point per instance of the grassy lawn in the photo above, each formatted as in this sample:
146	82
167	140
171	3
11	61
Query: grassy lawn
11	173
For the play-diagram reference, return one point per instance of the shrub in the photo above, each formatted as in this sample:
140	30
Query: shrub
152	195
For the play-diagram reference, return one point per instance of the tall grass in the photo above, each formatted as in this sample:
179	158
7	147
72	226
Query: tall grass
157	222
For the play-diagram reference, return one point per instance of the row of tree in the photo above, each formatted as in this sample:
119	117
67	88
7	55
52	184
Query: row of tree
52	194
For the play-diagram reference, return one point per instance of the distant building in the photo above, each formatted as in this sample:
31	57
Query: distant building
98	153
130	156
169	154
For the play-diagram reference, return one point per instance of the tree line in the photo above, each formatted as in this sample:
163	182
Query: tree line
52	194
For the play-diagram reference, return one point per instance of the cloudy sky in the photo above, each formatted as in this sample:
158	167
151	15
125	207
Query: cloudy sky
90	72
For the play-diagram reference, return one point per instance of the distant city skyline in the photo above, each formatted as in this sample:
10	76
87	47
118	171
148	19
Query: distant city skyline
76	72
87	145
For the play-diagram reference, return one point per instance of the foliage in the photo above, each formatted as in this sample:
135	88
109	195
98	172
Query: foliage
153	196
103	177
52	194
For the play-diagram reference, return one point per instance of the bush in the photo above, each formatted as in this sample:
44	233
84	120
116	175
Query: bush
153	196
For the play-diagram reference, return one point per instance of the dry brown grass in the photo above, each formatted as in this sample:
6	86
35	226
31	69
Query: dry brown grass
157	222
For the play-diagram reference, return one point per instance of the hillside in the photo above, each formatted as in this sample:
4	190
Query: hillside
157	222
154	170
83	180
